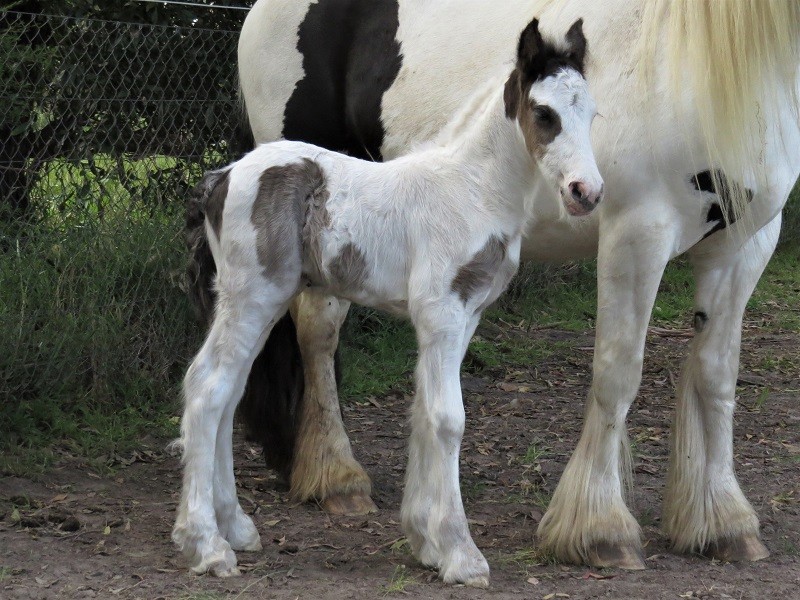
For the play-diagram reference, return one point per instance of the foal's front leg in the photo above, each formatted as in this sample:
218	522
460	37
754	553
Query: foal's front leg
704	508
433	513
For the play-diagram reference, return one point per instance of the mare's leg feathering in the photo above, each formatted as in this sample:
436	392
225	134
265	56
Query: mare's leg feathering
323	466
587	520
704	508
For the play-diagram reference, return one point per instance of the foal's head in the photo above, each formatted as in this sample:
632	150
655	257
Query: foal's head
548	96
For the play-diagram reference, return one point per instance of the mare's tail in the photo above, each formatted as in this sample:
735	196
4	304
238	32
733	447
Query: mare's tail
270	407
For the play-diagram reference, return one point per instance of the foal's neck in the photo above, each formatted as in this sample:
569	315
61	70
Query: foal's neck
491	146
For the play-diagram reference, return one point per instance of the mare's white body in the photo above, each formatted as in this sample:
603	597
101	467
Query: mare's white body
649	144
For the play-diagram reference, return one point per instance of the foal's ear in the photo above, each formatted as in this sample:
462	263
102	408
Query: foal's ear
530	46
576	42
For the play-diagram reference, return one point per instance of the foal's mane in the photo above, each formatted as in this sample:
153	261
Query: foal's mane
476	105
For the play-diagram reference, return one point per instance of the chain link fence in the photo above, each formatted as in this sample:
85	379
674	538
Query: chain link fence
104	126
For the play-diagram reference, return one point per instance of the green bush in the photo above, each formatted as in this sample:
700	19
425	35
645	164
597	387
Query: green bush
95	330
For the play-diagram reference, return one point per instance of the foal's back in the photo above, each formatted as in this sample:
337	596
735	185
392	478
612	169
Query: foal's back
352	226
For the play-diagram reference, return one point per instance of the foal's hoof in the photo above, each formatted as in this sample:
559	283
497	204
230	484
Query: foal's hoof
742	548
349	505
606	554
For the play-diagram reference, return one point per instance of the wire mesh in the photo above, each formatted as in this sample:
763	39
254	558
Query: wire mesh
104	126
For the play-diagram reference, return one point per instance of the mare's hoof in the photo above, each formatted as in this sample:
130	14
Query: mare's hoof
742	548
349	505
478	582
224	571
467	566
620	556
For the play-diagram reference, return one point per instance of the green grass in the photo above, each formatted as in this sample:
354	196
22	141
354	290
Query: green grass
534	454
378	354
527	558
400	580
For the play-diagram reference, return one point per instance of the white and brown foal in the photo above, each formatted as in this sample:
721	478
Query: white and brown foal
434	235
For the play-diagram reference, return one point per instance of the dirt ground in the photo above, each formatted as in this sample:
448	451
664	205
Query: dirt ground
73	534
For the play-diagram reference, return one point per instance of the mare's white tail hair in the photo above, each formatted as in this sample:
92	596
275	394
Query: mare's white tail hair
740	61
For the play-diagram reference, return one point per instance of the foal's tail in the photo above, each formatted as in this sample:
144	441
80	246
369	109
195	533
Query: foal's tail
201	268
271	404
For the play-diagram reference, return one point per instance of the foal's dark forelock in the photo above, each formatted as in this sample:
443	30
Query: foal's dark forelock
538	59
350	58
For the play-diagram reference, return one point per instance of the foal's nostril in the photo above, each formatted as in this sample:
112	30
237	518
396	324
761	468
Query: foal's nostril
577	190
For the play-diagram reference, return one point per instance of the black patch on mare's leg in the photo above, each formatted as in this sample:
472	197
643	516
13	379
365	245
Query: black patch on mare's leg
272	399
350	58
700	320
720	213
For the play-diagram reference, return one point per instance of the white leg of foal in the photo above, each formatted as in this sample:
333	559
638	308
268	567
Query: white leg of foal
587	520
234	524
323	466
213	385
704	508
433	513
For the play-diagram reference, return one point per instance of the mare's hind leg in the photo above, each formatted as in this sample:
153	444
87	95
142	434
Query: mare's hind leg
587	520
213	385
323	466
704	508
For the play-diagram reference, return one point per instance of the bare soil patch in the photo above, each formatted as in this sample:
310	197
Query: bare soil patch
73	534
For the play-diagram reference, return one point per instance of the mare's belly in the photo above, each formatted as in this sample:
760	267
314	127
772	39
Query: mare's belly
560	241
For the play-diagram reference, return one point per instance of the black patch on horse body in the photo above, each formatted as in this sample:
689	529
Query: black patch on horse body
720	213
207	199
279	212
350	58
216	203
700	320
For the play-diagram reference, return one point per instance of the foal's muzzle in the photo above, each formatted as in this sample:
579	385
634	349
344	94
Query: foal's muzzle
580	198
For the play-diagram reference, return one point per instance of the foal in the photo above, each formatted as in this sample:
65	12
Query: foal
434	235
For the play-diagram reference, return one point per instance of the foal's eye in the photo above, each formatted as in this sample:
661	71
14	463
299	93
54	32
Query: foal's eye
544	115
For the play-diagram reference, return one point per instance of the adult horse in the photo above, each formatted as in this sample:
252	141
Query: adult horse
698	145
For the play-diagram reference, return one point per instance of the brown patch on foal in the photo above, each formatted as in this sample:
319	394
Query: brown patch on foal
481	270
540	124
349	268
280	212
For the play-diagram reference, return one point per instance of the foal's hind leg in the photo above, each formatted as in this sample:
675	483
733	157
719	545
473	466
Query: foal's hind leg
213	385
234	524
704	508
323	467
